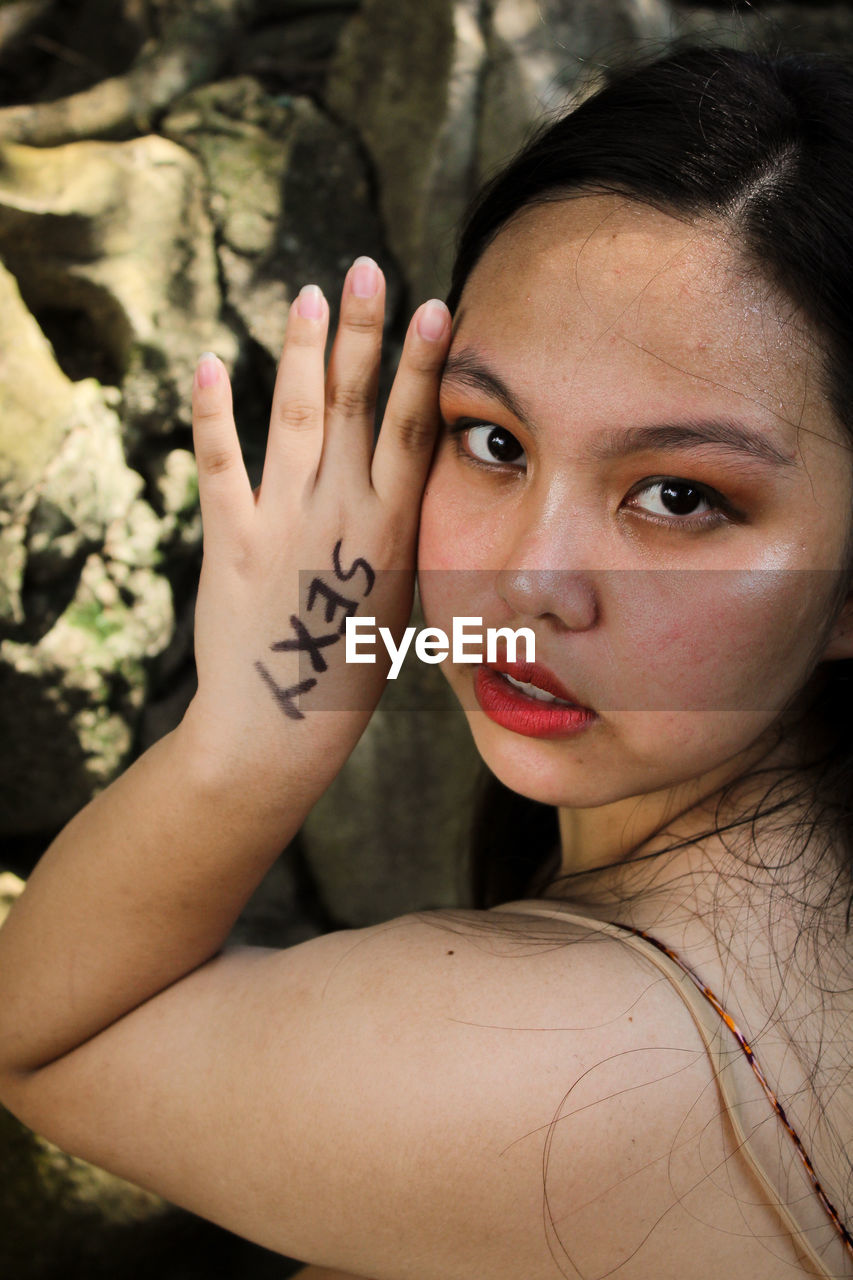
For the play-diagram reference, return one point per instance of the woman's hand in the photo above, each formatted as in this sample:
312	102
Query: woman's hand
329	533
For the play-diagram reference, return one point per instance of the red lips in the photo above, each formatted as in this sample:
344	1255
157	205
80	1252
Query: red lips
522	713
535	673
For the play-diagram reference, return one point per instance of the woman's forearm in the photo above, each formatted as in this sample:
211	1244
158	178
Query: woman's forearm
140	888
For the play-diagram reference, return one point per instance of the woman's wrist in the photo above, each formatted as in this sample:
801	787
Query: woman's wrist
270	777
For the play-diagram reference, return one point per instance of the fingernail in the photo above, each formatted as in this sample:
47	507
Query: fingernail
432	319
365	278
207	369
310	303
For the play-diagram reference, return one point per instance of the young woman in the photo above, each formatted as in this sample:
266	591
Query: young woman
635	441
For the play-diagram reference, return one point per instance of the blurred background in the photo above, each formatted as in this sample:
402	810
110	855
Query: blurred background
171	173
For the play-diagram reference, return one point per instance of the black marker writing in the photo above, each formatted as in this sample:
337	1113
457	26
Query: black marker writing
285	697
304	641
356	564
334	600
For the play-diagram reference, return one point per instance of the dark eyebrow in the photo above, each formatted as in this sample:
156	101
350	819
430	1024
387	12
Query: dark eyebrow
466	369
735	437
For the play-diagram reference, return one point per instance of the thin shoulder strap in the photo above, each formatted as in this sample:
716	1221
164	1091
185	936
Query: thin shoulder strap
718	1041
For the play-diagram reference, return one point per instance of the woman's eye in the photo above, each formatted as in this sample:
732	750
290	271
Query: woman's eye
489	443
682	502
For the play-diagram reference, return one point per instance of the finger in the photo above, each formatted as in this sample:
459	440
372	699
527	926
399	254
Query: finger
404	449
353	374
224	490
295	439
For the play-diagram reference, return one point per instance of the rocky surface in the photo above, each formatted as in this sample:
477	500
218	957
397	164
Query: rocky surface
443	92
277	170
83	608
116	238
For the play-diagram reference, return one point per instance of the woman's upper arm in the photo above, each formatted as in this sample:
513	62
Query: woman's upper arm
433	1097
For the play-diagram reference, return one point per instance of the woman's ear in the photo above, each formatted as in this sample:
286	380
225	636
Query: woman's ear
840	642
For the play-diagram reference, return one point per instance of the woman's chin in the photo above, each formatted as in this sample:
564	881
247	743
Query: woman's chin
539	768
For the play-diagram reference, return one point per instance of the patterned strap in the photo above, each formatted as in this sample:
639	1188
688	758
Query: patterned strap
762	1080
712	1039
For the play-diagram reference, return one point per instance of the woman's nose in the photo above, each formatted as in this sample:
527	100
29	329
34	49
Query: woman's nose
546	571
563	595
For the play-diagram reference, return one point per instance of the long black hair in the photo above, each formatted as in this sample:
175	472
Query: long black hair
762	146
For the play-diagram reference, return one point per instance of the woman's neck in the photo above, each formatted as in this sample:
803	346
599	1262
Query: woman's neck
759	917
689	853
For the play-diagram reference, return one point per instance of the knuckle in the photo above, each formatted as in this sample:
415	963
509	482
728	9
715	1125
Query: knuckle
298	415
350	399
360	320
302	333
424	360
206	414
304	338
414	432
302	342
216	461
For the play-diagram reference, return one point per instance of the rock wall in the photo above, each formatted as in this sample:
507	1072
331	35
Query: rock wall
170	174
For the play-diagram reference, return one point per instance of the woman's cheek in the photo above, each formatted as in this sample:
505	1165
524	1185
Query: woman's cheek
698	673
712	640
456	548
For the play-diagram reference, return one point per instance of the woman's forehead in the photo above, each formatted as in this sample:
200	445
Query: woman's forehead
595	291
609	258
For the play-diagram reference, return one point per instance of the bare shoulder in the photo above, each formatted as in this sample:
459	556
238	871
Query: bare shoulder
451	1094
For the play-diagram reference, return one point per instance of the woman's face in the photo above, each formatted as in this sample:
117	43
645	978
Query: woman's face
637	463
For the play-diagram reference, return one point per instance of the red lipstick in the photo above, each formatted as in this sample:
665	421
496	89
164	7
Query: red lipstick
521	710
